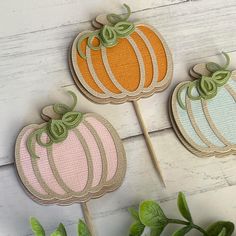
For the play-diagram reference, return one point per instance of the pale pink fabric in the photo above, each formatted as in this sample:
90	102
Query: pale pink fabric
45	168
95	153
108	144
70	159
25	162
71	162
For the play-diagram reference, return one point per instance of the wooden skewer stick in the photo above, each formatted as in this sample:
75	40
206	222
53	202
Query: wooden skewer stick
88	219
148	141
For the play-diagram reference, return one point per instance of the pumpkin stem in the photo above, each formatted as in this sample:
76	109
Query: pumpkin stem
61	108
60	119
227	60
56	111
108	35
213	67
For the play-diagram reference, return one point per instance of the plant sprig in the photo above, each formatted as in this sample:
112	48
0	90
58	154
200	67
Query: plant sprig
38	229
150	215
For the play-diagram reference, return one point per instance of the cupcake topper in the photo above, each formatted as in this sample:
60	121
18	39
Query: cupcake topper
203	111
121	61
72	157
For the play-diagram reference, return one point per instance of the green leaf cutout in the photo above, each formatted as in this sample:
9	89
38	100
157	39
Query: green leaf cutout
207	87
221	77
183	231
72	119
83	229
183	207
151	214
108	36
136	229
57	130
213	67
60	231
124	28
216	228
36	227
134	213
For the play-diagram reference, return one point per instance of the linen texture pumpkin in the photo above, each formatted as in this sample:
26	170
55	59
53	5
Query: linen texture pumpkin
120	62
70	159
203	112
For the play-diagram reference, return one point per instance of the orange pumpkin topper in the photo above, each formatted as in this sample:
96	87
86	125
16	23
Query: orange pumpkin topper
120	62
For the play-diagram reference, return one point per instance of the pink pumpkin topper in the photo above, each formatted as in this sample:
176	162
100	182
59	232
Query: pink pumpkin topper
70	159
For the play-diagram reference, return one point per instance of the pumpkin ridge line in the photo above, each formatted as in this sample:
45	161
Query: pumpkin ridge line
102	155
214	127
40	179
121	156
195	126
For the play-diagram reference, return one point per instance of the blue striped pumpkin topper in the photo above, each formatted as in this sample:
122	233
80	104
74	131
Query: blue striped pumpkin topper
203	111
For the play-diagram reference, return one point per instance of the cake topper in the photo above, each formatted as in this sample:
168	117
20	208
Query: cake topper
203	111
121	61
71	158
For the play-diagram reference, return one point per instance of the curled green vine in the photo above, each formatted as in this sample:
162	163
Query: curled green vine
207	86
56	130
108	35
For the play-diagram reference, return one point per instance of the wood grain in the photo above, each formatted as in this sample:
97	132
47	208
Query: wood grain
34	42
183	172
34	65
31	16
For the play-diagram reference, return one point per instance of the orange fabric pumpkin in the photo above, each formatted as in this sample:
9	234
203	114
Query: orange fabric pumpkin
136	66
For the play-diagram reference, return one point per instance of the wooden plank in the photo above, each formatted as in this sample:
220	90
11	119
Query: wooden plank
16	208
32	15
33	67
182	170
30	98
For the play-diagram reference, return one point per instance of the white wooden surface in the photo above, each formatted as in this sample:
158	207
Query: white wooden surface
34	42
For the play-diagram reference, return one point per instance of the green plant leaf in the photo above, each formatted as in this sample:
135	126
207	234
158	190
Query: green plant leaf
60	231
182	231
151	214
156	231
134	213
136	229
183	207
223	232
83	229
36	227
56	233
216	228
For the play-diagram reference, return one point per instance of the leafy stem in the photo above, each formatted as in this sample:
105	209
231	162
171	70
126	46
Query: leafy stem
38	230
192	225
150	215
